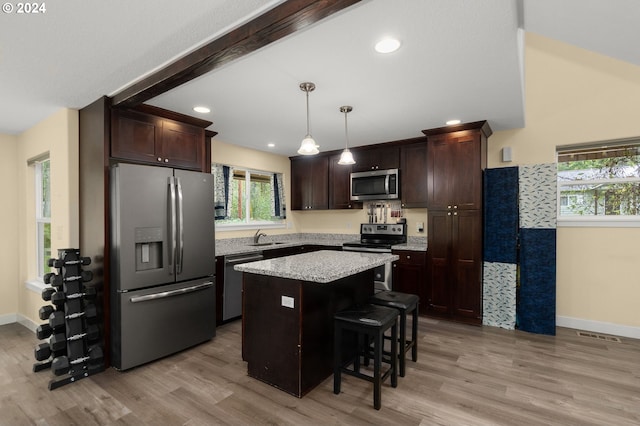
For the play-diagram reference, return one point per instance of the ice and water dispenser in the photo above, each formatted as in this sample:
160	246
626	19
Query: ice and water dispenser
148	248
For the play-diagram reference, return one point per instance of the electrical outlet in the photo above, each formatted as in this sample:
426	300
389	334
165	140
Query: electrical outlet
420	226
287	302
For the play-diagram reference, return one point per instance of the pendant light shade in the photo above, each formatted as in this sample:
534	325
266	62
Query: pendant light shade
308	145
346	157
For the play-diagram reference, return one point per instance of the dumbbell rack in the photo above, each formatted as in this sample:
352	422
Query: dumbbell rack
73	349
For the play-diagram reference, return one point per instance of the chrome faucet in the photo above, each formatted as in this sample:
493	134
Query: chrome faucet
257	236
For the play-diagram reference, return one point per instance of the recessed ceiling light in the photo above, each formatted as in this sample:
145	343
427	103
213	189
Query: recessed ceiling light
452	122
387	45
201	109
271	145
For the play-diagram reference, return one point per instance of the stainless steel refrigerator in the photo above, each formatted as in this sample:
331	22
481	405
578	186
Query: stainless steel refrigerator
162	262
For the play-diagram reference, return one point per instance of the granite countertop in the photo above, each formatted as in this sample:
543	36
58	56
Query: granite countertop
231	246
321	266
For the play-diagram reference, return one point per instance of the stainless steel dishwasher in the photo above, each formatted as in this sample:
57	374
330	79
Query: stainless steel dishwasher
232	291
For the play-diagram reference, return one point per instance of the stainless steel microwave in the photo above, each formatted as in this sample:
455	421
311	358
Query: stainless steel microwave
375	185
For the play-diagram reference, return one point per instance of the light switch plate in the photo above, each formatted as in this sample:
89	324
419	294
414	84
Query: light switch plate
288	302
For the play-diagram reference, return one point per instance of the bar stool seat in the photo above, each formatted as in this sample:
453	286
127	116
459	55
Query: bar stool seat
369	323
405	303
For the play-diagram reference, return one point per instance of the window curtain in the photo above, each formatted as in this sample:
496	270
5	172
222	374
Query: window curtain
222	190
278	207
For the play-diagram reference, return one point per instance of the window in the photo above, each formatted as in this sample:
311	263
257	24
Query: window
43	215
600	183
247	198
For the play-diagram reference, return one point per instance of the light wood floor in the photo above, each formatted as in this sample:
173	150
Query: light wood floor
465	375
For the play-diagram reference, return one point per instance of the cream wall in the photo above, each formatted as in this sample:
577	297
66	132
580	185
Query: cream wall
326	221
233	155
9	253
58	136
576	96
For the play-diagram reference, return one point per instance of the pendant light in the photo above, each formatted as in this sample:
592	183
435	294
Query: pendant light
346	157
308	145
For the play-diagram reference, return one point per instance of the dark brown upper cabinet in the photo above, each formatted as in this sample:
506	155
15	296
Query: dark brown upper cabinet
149	138
456	157
376	158
413	175
310	183
340	185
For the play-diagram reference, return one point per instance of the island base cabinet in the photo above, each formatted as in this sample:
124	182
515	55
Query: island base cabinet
287	327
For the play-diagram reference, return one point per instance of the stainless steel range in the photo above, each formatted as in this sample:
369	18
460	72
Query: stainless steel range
379	238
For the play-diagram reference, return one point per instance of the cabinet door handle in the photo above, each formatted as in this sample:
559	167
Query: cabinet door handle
455	207
455	214
159	159
448	213
448	207
408	257
166	160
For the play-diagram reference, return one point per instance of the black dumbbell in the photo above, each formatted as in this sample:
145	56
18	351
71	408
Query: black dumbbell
59	297
47	292
58	280
53	280
95	354
61	364
43	331
59	263
57	319
45	312
43	352
59	340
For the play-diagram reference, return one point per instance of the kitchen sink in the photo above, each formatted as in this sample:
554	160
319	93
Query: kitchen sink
265	244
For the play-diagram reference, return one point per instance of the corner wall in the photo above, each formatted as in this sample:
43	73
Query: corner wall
9	253
57	135
576	96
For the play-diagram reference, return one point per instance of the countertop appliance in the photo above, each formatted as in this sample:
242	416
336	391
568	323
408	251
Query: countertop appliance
232	290
162	262
375	185
379	238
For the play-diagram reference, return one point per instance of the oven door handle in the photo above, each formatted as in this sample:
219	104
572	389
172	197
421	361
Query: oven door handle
366	249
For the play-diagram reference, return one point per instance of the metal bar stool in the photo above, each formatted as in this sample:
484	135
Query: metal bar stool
405	303
369	323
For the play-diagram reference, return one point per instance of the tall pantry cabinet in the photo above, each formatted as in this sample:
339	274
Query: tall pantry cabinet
456	158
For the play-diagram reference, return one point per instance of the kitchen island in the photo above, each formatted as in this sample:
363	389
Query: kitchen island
288	307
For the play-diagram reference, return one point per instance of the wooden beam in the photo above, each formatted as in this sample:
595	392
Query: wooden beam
279	22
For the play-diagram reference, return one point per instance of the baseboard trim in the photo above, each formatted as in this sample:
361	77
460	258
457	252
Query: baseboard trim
27	322
599	327
8	319
20	319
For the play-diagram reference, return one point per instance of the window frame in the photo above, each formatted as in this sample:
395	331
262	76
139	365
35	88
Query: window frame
605	221
41	220
248	224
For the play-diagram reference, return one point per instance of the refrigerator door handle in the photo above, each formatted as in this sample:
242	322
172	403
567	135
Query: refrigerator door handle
180	251
172	223
165	294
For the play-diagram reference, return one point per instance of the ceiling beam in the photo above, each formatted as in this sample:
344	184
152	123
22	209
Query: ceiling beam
279	22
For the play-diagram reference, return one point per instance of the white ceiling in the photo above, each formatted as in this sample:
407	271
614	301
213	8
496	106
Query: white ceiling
459	59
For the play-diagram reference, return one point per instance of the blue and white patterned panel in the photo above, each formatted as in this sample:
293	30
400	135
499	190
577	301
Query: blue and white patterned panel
538	195
499	295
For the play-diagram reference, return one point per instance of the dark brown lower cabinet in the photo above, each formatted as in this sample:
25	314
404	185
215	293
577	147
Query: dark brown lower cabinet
409	275
454	265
